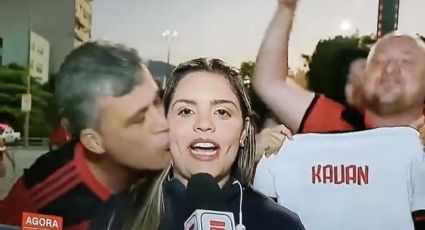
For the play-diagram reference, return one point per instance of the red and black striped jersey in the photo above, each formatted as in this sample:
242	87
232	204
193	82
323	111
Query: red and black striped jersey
325	115
58	183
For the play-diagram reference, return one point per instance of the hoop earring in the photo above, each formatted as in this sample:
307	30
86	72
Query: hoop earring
244	132
170	173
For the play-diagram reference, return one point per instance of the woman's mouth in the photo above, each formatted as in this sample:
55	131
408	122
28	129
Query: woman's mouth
204	149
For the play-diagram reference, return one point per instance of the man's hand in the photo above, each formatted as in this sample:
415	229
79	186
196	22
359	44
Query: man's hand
269	140
288	3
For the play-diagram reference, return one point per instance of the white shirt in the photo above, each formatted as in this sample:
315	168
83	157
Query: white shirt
360	180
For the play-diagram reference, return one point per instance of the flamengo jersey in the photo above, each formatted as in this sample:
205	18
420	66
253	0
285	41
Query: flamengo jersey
367	180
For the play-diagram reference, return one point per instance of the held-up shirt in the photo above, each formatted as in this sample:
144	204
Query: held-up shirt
359	180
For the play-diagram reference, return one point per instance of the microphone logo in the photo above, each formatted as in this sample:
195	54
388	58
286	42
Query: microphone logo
207	205
217	225
210	220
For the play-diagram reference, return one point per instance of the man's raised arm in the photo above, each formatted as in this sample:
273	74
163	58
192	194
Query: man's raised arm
288	103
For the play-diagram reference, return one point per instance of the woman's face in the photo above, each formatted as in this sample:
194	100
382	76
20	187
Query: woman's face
205	122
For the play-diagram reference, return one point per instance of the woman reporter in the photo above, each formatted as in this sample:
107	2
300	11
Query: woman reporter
211	131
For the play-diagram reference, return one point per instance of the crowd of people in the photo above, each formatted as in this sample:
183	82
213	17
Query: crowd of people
132	151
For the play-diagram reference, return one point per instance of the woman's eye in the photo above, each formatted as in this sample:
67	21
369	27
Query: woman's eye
222	113
185	112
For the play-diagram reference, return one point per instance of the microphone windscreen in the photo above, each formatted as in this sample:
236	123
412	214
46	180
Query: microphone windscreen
203	192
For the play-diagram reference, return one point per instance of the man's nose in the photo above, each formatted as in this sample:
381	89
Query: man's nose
392	66
161	124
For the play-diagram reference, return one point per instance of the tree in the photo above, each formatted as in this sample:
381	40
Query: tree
258	106
329	64
51	114
12	86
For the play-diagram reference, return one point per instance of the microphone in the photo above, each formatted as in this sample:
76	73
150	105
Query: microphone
207	205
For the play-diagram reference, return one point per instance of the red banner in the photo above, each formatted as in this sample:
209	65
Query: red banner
34	221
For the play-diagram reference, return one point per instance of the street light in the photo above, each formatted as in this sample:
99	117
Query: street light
345	26
169	35
26	98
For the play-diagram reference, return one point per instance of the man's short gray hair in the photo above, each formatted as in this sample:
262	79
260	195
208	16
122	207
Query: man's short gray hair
397	33
94	70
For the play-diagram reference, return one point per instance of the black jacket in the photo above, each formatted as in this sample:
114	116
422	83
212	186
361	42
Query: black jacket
259	212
